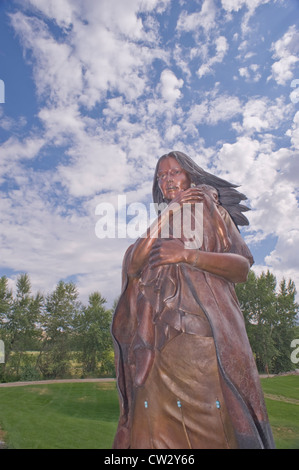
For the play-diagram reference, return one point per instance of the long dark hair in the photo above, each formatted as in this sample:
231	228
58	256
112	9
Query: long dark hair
229	197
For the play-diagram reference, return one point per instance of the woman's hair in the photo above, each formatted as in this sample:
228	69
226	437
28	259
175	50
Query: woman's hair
229	197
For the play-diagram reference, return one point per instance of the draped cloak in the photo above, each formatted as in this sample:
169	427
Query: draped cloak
162	306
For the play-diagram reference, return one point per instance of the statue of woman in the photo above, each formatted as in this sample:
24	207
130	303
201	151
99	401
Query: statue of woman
186	374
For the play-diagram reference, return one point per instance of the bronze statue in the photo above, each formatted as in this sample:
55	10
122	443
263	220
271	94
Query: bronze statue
185	370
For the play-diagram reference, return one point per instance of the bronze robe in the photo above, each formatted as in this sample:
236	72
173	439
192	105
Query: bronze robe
185	370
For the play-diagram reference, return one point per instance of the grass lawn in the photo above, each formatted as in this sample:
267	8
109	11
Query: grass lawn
84	415
282	400
59	416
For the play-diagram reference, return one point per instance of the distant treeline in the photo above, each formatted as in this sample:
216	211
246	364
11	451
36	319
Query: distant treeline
53	336
57	336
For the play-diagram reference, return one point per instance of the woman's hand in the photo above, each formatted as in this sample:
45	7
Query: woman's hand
190	195
169	251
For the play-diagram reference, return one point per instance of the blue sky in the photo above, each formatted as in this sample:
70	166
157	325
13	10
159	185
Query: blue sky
96	91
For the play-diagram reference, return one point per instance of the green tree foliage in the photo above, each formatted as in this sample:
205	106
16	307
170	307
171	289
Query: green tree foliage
20	318
270	317
58	324
6	300
41	333
285	331
60	311
93	336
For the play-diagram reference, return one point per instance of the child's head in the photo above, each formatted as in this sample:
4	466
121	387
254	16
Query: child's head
210	190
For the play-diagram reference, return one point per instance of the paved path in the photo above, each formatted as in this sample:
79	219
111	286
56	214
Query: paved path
46	382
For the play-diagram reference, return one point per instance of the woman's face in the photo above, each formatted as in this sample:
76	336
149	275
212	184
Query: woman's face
172	178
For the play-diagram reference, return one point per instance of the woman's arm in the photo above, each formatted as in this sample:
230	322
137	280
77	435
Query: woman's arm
143	246
230	266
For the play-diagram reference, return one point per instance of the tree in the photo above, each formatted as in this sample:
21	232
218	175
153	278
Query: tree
61	308
269	318
284	332
93	336
257	300
21	320
6	300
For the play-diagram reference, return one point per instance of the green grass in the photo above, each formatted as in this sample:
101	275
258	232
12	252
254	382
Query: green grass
284	420
84	415
282	400
59	416
284	385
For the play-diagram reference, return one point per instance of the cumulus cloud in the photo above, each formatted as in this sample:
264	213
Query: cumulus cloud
286	54
83	67
204	20
96	168
266	173
250	73
113	94
236	5
170	86
221	48
260	114
285	257
294	131
36	237
211	47
13	151
212	111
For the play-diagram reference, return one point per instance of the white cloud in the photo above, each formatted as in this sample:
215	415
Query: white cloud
212	111
276	208
294	131
221	48
58	73
173	132
170	86
237	159
260	114
96	168
204	20
250	73
243	71
49	245
103	47
236	5
118	15
111	101
86	64
63	12
8	123
285	257
13	151
269	178
62	123
286	52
